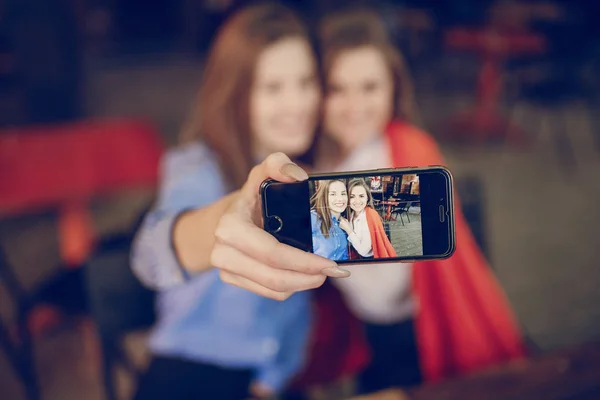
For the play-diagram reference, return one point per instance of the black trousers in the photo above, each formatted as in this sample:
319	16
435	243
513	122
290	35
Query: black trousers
176	379
395	360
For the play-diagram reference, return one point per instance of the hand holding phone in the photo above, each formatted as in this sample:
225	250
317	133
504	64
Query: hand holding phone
346	226
251	258
368	216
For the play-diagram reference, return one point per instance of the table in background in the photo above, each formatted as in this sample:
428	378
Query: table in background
568	374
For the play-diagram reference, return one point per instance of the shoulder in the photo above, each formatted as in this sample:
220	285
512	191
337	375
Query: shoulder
313	215
411	134
315	221
189	159
372	215
422	147
190	175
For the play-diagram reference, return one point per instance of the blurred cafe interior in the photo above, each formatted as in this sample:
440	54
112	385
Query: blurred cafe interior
93	92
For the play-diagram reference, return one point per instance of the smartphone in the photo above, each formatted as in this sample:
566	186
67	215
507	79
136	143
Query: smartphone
381	215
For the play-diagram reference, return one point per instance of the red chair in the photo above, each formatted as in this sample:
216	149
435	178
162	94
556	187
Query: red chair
61	168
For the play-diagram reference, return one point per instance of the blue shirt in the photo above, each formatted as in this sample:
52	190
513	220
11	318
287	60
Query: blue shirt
199	317
334	247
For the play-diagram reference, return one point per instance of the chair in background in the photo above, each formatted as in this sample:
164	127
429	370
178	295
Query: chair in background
62	168
19	350
118	304
402	209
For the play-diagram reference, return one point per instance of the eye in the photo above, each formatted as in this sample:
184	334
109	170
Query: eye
334	89
273	87
370	87
308	82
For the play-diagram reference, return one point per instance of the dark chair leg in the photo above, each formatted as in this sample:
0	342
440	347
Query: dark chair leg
21	354
9	349
31	377
408	216
108	362
22	360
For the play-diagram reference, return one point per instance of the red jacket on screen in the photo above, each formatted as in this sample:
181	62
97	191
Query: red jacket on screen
382	247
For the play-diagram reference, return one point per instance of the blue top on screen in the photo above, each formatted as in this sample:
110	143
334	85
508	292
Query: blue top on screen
334	247
200	318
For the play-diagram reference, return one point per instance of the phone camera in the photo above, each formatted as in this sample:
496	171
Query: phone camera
274	224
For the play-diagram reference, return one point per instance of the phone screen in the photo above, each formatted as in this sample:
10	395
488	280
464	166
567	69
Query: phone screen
367	216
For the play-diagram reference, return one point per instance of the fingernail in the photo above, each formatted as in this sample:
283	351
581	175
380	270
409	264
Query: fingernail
293	171
335	272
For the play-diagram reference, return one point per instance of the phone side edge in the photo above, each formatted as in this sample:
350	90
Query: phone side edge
263	199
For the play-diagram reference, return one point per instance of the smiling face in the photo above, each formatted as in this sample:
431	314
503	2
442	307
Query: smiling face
359	102
358	199
285	99
337	198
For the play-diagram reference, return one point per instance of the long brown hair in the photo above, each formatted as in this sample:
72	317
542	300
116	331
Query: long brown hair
355	28
319	202
356	183
220	117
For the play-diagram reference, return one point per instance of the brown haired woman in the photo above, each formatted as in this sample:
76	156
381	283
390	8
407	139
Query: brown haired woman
428	320
364	226
214	339
327	205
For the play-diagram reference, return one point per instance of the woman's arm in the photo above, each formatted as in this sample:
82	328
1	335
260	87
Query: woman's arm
225	233
194	234
177	235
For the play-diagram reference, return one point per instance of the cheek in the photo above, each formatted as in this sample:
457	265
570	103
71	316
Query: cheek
313	101
382	109
333	117
259	111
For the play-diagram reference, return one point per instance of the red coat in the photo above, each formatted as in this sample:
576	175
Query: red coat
382	248
464	321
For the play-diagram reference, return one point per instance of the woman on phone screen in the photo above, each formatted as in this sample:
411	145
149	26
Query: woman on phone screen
327	206
223	331
364	226
427	320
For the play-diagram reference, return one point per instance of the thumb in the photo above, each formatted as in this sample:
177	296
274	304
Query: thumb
276	166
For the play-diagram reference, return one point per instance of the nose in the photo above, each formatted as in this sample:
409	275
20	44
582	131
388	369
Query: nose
354	105
292	100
